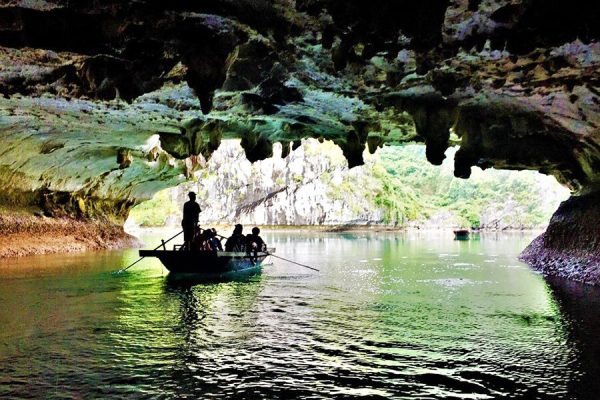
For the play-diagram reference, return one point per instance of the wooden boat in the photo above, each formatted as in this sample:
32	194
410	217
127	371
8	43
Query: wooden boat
209	264
461	234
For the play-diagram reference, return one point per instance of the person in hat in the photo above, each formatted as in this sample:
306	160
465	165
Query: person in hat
189	223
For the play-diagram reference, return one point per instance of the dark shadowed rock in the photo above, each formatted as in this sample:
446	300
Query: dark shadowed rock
570	247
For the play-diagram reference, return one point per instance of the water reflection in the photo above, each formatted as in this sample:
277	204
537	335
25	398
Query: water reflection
580	309
389	316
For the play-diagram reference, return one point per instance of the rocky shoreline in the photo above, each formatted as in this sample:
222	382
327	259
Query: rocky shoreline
24	235
555	253
570	247
574	264
334	228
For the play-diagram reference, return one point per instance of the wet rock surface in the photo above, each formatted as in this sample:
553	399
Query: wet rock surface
24	235
104	103
570	247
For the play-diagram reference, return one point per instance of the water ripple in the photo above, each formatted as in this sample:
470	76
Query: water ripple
425	322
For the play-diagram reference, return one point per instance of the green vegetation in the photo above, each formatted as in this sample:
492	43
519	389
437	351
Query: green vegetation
418	190
154	212
396	186
408	189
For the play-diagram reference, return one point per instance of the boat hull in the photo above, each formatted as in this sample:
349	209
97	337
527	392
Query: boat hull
461	234
211	265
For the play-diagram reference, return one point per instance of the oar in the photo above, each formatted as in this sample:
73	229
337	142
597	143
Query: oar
290	261
216	234
141	258
221	236
273	255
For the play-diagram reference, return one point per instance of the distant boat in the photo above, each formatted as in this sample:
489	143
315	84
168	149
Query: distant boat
461	234
210	265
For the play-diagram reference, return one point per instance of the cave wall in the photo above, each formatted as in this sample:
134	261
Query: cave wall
75	158
89	85
570	247
516	81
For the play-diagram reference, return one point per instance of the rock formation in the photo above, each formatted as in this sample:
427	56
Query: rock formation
569	247
295	190
394	189
106	102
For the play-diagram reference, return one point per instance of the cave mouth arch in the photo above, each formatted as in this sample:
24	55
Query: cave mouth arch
395	188
138	91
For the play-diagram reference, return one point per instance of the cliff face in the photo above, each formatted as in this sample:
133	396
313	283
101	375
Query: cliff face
295	190
313	185
106	102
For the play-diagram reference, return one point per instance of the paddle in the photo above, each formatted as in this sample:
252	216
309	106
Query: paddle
140	259
281	258
223	237
290	261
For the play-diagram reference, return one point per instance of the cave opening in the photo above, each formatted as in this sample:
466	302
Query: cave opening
426	175
312	186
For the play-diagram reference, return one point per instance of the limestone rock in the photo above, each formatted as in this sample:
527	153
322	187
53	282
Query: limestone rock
516	82
570	247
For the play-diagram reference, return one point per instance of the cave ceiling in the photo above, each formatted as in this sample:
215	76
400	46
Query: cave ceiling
125	90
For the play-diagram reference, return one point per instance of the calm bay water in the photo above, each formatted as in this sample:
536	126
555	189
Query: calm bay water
389	316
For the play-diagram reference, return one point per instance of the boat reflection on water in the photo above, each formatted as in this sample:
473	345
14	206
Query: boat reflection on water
191	279
182	332
205	305
197	297
388	316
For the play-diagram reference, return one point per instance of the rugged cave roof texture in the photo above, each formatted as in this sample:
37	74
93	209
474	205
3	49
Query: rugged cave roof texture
113	100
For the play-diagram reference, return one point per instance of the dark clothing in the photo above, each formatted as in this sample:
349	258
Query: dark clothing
215	244
252	240
255	244
191	211
237	242
189	232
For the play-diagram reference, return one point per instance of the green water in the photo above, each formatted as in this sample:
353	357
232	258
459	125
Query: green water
389	316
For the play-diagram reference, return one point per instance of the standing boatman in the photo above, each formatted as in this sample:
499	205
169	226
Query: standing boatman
191	211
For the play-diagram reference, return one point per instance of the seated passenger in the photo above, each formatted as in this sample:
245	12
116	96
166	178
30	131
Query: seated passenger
205	241
215	243
196	242
254	243
237	241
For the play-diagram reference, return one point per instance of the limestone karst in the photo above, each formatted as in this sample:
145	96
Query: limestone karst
105	103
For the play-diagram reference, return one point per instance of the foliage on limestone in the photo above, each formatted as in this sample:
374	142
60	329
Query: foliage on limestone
491	198
154	212
395	187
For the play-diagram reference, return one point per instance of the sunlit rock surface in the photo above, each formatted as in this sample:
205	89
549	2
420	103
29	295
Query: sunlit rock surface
104	103
296	190
395	188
